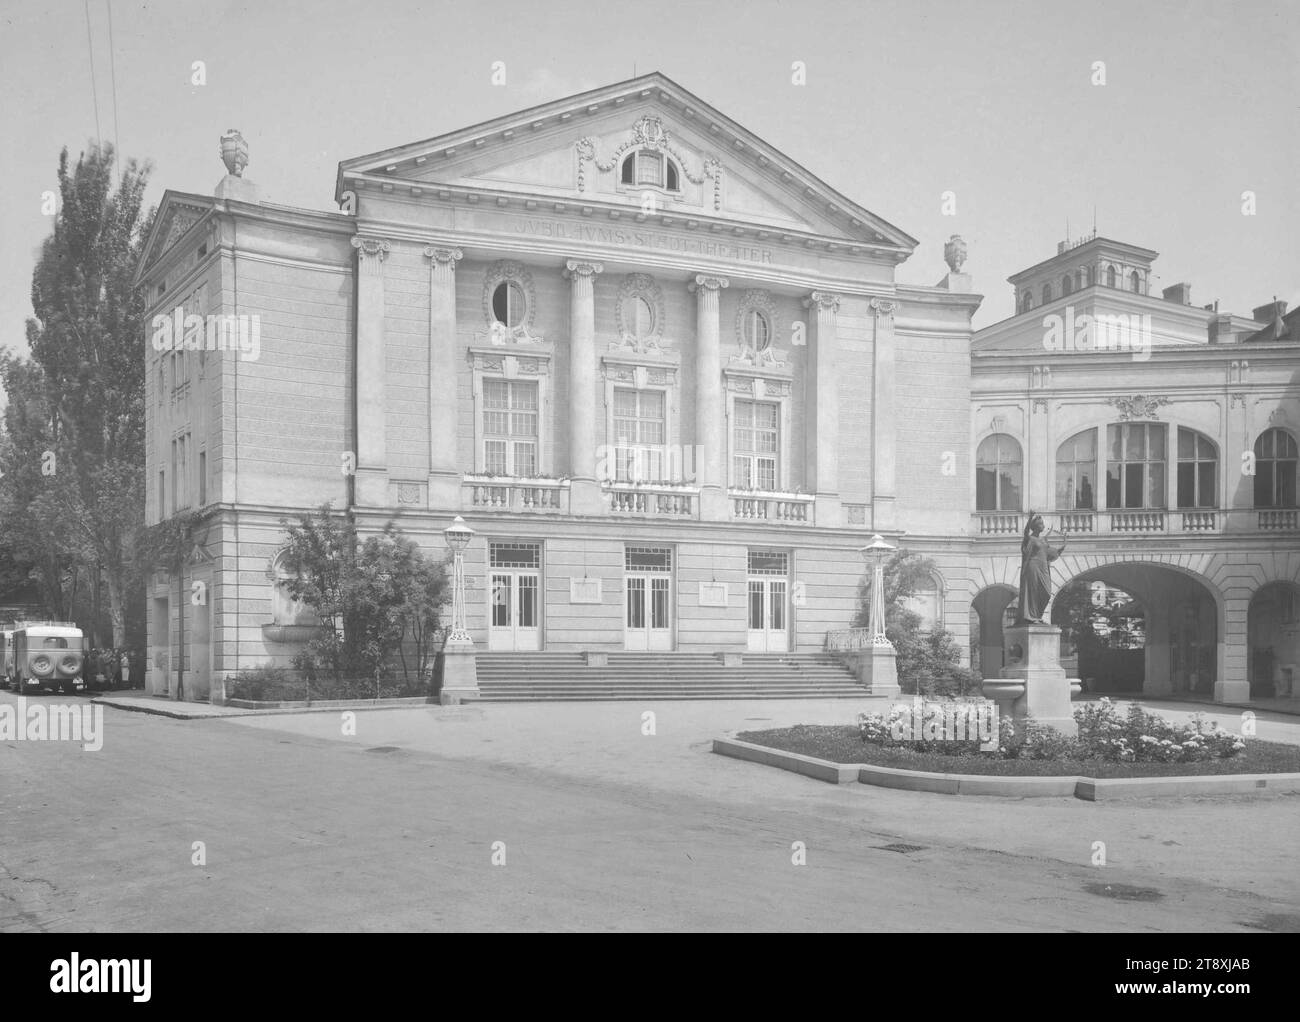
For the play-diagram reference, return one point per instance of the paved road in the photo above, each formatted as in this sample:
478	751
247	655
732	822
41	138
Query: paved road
603	828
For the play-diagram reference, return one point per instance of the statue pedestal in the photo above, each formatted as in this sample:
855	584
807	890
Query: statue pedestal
1033	683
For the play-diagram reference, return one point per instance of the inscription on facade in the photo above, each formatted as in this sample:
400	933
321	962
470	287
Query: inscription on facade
636	237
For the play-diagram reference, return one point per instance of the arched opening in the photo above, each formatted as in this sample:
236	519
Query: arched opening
1047	293
1273	641
999	473
1112	277
1103	635
1067	285
1026	301
992	610
1178	651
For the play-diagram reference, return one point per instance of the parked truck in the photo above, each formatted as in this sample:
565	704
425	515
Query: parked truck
48	657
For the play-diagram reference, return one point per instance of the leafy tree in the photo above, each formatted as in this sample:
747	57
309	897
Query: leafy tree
370	595
929	662
72	497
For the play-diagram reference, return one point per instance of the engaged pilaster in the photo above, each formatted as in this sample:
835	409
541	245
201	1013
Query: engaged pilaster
584	487
823	459
884	466
372	460
710	437
444	470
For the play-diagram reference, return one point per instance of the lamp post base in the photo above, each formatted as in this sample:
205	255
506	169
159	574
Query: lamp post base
459	672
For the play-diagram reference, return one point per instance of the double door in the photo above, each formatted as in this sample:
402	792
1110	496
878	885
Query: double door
514	621
769	619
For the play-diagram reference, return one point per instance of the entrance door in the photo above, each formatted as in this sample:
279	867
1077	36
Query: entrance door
768	602
514	592
648	607
768	632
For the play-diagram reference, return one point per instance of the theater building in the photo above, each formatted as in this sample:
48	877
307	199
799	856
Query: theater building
673	382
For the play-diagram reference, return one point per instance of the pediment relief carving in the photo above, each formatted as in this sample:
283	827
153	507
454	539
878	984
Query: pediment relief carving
648	133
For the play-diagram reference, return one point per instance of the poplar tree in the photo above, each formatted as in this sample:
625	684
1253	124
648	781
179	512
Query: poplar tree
73	456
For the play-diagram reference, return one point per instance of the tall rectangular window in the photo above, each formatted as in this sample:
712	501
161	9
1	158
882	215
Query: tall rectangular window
203	478
162	494
1076	469
1197	462
1135	465
639	435
510	428
754	465
175	474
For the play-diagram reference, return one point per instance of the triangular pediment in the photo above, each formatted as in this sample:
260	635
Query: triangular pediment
699	164
177	214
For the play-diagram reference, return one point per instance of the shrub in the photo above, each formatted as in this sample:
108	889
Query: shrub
279	684
1141	737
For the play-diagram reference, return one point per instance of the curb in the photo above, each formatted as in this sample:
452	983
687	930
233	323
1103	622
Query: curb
1088	789
257	710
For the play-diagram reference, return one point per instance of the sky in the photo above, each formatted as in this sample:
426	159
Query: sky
996	102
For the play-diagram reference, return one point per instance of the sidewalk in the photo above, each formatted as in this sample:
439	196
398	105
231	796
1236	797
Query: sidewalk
1288	705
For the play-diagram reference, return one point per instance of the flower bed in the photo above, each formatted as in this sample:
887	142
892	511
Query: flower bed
1137	737
1136	744
843	744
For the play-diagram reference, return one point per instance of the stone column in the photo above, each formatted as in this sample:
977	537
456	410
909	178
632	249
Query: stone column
371	460
710	415
584	488
1231	680
884	487
444	468
824	422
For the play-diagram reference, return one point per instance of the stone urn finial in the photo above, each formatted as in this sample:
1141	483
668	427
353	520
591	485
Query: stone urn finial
954	253
234	152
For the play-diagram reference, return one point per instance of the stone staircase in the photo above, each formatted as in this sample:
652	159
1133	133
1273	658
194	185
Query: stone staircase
527	677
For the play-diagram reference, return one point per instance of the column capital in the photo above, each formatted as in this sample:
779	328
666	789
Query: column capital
708	282
826	301
443	256
371	248
883	306
581	269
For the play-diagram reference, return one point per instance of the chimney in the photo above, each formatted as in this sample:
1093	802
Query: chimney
1219	327
1269	313
1180	293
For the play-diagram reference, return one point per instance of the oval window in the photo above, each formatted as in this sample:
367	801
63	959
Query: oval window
758	334
508	303
643	317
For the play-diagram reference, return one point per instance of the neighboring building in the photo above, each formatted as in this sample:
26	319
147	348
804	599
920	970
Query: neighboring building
671	380
665	372
1134	423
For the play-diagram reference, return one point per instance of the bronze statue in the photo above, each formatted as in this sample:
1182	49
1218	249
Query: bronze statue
1035	575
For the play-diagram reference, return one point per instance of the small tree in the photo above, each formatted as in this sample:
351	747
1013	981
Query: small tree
929	662
370	595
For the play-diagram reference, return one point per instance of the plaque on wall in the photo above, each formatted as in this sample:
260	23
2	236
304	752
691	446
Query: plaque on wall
713	594
799	594
584	590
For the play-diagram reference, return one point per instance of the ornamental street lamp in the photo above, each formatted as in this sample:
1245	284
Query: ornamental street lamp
458	535
875	553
